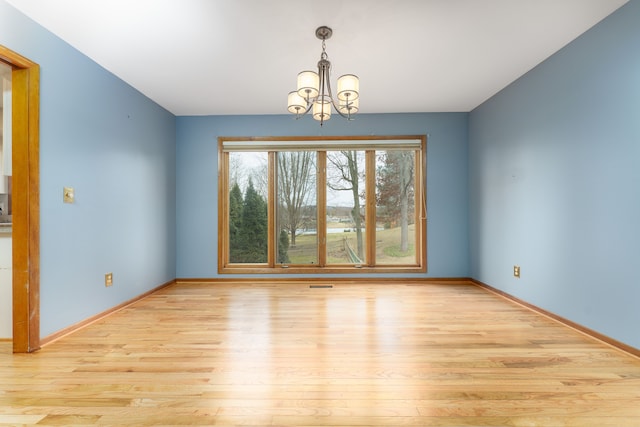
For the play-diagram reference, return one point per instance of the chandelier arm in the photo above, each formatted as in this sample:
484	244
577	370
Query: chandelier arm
327	75
324	67
307	109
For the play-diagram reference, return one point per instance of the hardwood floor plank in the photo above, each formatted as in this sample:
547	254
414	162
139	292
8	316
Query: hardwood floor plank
353	355
18	419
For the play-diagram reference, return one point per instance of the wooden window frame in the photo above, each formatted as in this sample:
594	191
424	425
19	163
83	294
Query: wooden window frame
324	144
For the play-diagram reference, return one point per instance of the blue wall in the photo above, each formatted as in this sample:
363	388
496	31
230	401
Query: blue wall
117	149
447	203
555	181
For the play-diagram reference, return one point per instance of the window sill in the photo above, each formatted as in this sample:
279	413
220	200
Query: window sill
347	269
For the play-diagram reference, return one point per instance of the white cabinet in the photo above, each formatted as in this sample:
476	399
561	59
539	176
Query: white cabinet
6	293
6	128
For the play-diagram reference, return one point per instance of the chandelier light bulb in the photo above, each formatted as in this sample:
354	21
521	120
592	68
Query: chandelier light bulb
348	87
322	110
308	84
297	104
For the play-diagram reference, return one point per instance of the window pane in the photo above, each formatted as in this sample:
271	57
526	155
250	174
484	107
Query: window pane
248	225
395	207
345	207
297	241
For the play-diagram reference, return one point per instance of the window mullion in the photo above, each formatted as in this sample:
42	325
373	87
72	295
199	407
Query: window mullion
223	202
321	179
370	206
271	209
421	210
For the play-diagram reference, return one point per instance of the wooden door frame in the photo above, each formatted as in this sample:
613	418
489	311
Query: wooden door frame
25	120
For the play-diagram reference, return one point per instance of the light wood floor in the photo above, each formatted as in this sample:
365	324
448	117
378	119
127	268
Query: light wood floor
354	355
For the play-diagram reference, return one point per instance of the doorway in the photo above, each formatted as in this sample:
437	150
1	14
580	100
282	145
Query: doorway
25	203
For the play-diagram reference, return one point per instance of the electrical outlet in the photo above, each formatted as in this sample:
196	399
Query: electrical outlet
516	271
108	279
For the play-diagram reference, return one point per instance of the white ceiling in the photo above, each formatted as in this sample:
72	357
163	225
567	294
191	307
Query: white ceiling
201	57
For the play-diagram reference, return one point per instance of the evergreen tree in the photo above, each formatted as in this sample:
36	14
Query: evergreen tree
253	234
235	222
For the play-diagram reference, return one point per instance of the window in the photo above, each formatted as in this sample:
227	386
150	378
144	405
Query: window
312	205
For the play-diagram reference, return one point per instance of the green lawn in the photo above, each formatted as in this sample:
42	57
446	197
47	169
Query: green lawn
387	248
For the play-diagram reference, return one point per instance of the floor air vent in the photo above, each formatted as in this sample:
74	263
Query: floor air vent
320	286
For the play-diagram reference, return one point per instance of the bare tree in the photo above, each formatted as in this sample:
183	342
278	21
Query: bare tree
296	186
249	166
345	175
236	171
259	174
395	190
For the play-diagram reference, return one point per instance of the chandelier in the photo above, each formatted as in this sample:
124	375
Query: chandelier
314	89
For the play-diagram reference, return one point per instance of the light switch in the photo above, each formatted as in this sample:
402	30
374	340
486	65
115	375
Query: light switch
68	195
